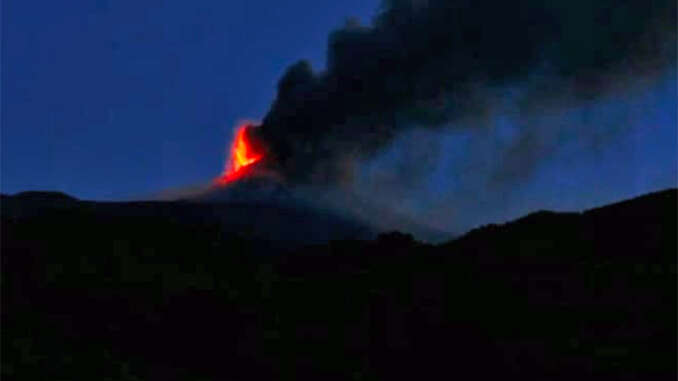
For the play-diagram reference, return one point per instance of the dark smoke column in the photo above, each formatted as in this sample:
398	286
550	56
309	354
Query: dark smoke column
418	62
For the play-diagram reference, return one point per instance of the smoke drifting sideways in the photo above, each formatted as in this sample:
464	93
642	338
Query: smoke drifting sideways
443	115
514	80
508	164
433	63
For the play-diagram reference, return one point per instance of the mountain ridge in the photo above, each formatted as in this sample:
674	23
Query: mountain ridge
588	296
50	200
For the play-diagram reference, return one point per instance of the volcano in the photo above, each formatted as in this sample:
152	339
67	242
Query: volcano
245	152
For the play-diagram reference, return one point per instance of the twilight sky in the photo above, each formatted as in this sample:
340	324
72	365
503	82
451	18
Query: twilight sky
119	99
112	100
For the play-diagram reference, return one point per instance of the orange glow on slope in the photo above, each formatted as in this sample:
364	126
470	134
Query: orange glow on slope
243	154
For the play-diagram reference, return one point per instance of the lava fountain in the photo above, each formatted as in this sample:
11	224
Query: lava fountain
244	153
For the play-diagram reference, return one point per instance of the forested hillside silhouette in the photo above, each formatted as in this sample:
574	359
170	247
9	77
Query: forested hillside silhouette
159	291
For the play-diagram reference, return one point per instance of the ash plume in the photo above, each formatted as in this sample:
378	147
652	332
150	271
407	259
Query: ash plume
432	63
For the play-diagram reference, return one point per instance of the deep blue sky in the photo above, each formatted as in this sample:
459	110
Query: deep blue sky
119	99
113	100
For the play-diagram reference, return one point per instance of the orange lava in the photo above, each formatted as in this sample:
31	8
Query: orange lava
243	155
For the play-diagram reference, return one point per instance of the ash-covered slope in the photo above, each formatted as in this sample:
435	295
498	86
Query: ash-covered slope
261	211
333	208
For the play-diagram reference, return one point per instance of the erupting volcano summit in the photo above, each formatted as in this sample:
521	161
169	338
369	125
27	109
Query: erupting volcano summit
243	155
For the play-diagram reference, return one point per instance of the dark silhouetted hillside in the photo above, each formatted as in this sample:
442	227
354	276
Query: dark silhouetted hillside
170	291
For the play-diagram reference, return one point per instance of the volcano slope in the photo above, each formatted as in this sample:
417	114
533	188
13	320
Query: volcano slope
158	291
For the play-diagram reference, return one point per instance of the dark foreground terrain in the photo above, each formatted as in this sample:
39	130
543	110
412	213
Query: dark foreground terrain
143	291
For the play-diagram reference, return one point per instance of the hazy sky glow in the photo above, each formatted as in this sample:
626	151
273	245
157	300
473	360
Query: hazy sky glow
575	170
